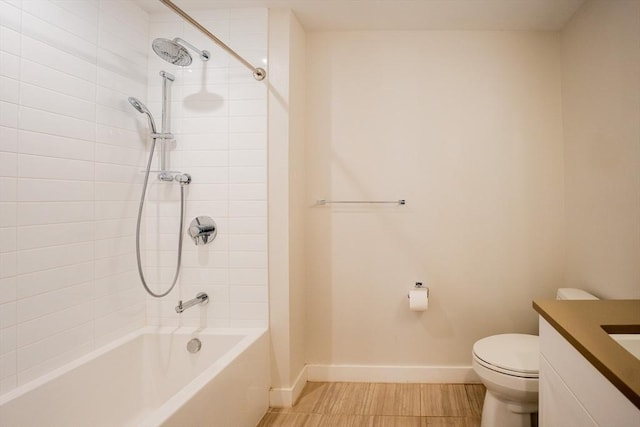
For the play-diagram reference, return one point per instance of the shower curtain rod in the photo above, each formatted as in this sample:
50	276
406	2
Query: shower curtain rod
258	73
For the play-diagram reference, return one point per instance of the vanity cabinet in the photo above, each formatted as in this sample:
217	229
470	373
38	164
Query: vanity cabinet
573	393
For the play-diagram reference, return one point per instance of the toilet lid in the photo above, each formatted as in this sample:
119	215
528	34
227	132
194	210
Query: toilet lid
518	353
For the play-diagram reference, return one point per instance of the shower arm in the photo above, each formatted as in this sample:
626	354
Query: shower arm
258	73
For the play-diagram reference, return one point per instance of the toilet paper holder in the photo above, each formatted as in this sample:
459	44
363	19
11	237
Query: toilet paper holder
419	285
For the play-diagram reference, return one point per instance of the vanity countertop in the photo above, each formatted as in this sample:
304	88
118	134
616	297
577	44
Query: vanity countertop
586	324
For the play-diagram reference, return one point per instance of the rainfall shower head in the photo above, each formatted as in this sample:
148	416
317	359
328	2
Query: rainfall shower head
175	52
138	105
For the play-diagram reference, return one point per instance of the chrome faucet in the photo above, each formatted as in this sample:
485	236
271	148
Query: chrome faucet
201	298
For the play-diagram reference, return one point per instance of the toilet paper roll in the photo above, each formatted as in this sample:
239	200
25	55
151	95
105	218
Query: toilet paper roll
418	300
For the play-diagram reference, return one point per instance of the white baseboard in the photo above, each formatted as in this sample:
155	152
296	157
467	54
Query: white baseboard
392	374
286	397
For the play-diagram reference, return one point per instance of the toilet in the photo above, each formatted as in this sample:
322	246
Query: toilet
508	365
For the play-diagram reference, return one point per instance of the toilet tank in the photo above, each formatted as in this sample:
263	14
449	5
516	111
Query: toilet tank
573	293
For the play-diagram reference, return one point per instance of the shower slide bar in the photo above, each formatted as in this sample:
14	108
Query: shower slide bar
258	73
394	202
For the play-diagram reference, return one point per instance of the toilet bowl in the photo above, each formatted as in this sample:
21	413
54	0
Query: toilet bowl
507	365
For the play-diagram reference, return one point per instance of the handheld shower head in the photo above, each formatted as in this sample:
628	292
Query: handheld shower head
138	105
175	52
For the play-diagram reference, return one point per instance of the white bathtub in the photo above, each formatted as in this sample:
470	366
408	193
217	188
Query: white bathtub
148	378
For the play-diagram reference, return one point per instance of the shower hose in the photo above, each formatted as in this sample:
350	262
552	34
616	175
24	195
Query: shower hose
179	257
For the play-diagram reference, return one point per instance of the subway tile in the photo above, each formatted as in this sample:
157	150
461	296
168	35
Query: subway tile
9	65
7	364
127	13
248	276
72	353
122	137
7	314
117	283
54	168
54	102
61	82
8	189
39	236
248	141
7	340
45	326
32	260
124	84
113	247
114	228
8	262
48	145
119	155
248	294
247	175
203	125
116	118
247	91
42	190
249	107
202	142
9	89
111	172
251	259
7	213
248	311
87	10
8	139
62	18
208	175
207	192
60	39
115	210
52	302
8	114
202	158
31	284
7	239
117	191
7	289
114	265
248	242
256	158
9	40
247	209
42	53
54	212
56	124
249	124
10	16
8	164
247	192
40	352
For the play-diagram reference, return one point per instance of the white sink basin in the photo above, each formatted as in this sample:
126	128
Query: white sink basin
630	342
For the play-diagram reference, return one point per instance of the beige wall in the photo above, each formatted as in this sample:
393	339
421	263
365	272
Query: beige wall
601	110
467	127
286	197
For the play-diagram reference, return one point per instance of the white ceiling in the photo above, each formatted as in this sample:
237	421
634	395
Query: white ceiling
324	15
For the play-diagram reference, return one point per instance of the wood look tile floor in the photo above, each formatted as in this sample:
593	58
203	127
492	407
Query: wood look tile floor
381	405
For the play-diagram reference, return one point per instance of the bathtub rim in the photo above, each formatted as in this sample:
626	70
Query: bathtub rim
249	335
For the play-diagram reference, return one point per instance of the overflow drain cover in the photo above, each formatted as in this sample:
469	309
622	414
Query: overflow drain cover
194	345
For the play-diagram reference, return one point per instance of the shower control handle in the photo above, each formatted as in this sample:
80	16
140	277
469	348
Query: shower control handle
203	230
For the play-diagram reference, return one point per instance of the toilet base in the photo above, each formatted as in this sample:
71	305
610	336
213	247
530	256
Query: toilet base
497	412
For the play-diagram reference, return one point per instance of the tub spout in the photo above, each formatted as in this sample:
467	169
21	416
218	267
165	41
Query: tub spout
201	298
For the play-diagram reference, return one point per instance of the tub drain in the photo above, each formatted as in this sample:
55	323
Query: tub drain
194	345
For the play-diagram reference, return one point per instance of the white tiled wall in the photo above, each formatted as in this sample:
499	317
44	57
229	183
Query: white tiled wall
70	154
219	119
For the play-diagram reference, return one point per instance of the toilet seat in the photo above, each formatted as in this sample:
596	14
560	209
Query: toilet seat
509	354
